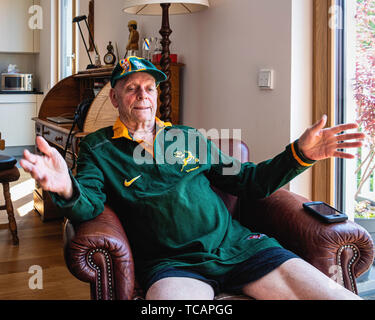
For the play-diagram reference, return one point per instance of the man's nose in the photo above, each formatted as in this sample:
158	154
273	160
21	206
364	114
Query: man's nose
141	94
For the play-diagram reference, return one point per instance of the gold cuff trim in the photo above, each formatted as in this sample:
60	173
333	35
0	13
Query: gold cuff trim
304	164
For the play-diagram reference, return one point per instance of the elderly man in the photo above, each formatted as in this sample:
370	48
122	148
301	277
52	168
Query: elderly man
185	243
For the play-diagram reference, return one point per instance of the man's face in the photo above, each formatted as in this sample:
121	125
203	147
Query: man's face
136	97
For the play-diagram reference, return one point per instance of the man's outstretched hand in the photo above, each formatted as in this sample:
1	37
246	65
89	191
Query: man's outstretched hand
50	170
317	143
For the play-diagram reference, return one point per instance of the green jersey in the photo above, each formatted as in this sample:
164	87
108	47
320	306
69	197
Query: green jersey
164	199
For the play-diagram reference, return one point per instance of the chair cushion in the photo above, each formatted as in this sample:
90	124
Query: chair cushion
9	175
7	162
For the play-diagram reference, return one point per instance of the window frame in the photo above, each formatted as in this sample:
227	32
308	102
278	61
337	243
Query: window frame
340	105
323	175
58	34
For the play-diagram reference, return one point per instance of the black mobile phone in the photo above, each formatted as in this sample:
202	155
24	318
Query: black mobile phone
325	212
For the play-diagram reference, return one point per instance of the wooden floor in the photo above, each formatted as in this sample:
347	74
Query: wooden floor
41	245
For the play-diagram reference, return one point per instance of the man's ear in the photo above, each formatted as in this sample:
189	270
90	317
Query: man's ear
113	97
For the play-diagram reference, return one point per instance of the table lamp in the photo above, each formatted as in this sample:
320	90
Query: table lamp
78	20
164	8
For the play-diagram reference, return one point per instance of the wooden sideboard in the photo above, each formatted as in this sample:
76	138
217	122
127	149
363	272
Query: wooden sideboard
63	99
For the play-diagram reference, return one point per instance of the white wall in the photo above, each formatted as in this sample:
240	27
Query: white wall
25	62
111	24
43	62
229	43
223	48
301	84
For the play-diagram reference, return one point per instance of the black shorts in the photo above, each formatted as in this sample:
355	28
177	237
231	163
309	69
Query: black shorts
254	268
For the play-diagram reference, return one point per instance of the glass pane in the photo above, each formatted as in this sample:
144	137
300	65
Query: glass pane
66	41
13	82
360	103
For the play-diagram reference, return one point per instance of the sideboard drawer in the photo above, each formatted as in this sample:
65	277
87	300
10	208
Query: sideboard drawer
38	129
57	138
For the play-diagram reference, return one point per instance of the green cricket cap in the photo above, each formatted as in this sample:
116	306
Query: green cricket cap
133	64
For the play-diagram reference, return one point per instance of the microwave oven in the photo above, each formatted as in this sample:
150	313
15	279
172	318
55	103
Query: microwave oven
16	82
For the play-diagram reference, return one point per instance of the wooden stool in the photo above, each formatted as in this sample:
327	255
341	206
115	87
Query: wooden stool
9	173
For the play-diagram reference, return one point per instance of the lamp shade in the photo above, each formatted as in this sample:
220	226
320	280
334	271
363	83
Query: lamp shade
152	7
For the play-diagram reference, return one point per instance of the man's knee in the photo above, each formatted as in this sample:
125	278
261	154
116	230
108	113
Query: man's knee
297	279
180	288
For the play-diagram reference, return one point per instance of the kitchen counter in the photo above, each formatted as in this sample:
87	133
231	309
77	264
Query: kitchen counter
16	113
20	92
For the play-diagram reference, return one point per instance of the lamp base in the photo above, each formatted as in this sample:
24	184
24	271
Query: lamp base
165	60
91	66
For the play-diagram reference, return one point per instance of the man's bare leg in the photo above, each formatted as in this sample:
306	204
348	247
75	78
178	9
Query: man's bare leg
297	279
180	288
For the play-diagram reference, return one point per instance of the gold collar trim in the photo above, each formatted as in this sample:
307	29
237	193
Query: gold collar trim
121	131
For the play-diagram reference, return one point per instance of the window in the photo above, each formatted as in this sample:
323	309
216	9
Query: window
67	54
323	183
355	88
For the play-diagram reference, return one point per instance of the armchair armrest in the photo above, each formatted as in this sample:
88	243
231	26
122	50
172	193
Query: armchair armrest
97	251
343	251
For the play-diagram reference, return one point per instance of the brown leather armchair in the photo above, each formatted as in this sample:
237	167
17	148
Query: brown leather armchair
98	251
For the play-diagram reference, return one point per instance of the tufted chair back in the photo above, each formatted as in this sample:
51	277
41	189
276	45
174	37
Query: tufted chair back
238	150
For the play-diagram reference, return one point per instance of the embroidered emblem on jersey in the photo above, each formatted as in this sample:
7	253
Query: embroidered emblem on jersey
187	160
129	183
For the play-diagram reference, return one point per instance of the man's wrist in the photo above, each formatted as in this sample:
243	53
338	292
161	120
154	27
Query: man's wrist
299	155
299	149
60	198
67	195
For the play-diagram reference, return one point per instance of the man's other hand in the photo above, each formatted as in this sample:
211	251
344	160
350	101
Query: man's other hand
50	170
317	143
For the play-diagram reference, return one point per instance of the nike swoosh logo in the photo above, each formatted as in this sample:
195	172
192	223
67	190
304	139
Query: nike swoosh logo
129	183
